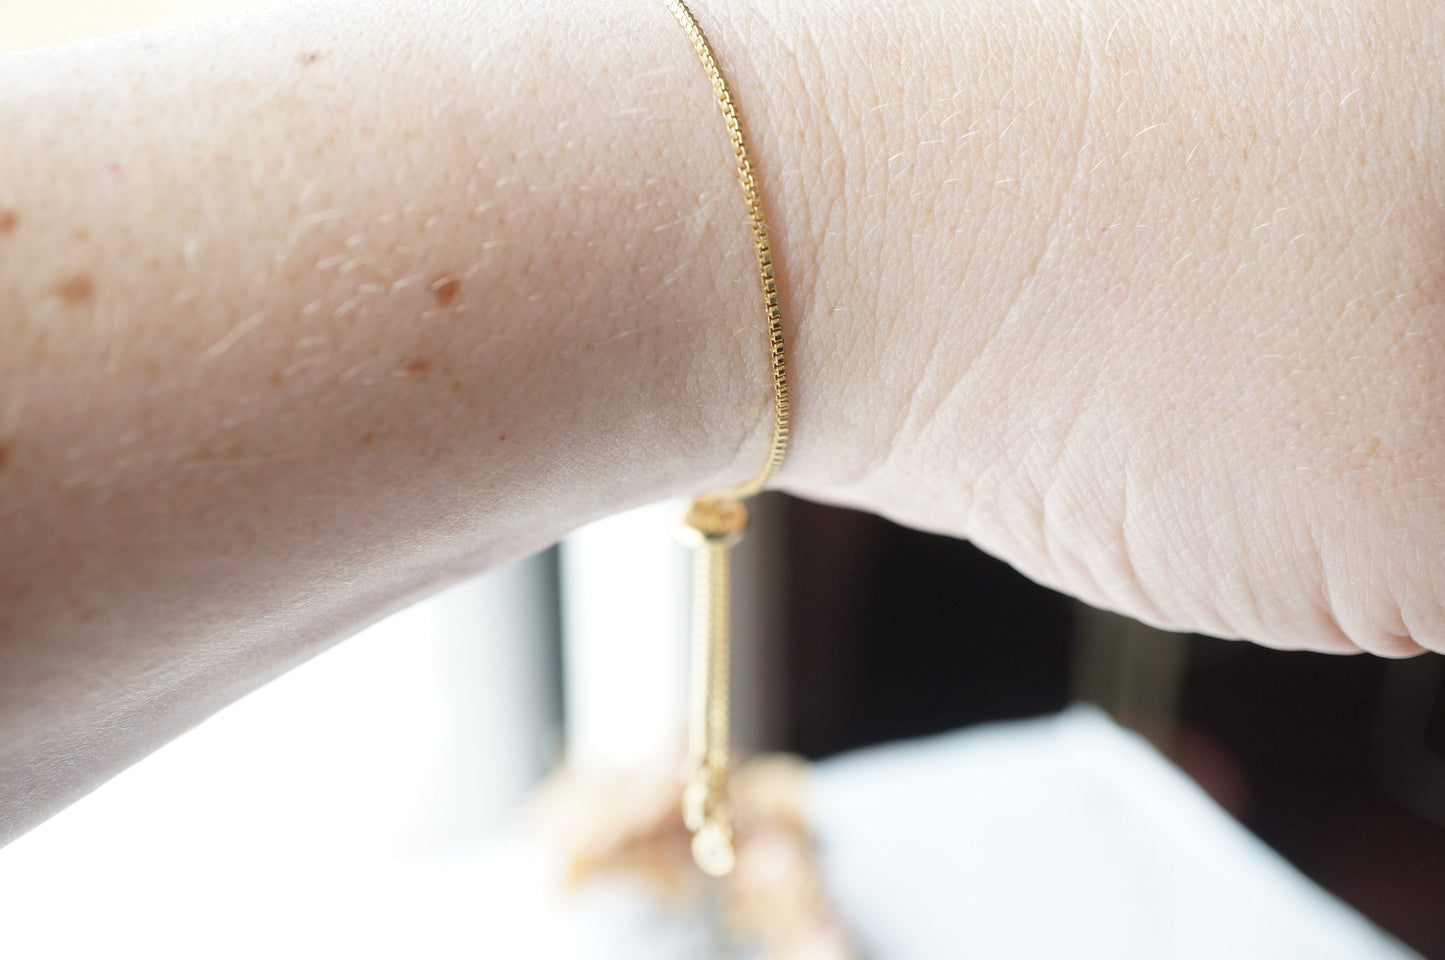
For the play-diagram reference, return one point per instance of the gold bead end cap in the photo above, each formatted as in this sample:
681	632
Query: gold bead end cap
712	849
714	521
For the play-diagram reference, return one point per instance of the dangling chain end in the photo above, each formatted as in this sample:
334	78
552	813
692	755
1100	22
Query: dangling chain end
711	525
707	812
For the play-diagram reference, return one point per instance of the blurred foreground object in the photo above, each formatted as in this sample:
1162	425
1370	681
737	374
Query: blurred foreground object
1060	837
632	826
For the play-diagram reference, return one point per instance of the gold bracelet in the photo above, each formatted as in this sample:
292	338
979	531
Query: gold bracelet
713	524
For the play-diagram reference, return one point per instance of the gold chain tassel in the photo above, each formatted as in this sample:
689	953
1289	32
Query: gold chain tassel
713	526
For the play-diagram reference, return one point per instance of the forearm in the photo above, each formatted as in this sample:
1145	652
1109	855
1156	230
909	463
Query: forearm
304	316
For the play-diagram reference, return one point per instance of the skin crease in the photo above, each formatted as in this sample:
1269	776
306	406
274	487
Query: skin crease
308	317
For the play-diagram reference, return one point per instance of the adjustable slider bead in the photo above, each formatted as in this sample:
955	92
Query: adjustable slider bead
713	521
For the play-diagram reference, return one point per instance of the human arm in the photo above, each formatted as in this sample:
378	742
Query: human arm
309	314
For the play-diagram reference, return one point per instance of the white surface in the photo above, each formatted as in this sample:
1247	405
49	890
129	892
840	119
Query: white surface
1060	838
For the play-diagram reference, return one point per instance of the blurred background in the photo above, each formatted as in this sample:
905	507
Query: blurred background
414	742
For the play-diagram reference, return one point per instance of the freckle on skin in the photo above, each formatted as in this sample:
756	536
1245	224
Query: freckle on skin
309	57
4	455
445	288
9	220
418	367
76	290
367	439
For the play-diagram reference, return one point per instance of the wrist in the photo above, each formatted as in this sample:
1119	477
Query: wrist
914	165
1123	309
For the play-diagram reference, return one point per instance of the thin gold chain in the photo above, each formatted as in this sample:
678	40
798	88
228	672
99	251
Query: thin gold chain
717	521
777	356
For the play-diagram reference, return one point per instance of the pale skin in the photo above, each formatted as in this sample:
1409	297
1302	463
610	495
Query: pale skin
304	316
